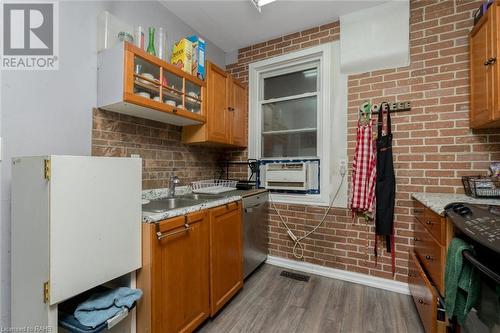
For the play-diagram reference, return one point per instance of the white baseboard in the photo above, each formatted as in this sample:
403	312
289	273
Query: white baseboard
367	280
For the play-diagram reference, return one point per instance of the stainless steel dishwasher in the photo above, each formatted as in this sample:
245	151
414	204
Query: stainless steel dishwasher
255	231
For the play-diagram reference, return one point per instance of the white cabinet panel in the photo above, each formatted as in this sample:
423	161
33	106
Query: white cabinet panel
95	222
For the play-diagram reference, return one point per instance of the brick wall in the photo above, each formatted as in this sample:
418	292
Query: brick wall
433	145
158	144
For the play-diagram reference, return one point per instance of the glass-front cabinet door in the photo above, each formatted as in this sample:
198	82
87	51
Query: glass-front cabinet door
172	89
152	83
193	98
146	79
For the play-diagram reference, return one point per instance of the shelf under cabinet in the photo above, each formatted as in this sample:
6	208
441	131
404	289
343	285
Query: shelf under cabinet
178	118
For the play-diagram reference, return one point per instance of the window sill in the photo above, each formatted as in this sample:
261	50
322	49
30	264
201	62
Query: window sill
299	199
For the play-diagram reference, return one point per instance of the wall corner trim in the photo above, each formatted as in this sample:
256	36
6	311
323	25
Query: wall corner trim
363	279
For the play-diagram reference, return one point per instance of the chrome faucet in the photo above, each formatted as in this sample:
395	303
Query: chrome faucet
174	180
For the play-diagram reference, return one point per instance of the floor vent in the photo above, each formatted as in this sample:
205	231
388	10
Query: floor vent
295	276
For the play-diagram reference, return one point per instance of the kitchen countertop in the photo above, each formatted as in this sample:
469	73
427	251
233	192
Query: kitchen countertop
247	193
155	194
437	201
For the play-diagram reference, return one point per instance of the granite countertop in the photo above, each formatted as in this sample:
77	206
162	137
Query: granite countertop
161	193
247	193
437	201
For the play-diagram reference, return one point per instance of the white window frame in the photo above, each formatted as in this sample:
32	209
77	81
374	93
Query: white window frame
332	119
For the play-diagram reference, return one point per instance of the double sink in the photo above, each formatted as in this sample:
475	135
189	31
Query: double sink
181	201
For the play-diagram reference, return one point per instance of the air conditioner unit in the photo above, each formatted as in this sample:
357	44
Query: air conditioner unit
297	176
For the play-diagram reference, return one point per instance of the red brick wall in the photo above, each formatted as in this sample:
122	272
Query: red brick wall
433	144
158	144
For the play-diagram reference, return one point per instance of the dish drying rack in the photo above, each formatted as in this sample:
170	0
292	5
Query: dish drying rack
248	183
213	186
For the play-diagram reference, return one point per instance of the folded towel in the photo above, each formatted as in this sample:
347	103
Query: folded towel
103	306
462	281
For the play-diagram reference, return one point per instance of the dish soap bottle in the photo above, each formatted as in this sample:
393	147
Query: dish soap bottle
151	45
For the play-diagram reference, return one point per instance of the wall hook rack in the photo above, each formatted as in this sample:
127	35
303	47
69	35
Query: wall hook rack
393	106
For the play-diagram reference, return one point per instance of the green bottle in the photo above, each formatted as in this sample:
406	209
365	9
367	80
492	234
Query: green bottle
151	45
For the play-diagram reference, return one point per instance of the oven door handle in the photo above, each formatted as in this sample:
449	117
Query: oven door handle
481	267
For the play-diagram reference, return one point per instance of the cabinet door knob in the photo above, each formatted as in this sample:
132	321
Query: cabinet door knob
421	301
490	61
429	222
429	257
416	239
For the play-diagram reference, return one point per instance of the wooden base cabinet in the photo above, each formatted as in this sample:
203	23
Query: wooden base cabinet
226	112
192	266
432	235
226	259
175	275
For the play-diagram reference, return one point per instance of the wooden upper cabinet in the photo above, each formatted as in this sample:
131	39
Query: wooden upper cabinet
238	114
484	73
226	259
175	275
226	112
218	97
133	82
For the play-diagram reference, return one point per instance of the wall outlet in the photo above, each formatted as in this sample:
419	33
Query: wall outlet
342	167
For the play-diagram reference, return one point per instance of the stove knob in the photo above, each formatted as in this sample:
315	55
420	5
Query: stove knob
457	207
464	211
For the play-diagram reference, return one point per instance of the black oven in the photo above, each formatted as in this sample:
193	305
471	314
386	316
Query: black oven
479	225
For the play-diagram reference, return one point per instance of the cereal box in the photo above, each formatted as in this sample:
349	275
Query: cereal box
182	55
199	50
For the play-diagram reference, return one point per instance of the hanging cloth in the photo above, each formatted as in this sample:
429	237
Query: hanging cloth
385	190
363	171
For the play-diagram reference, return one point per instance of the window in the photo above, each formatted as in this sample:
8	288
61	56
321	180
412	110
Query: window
290	113
298	105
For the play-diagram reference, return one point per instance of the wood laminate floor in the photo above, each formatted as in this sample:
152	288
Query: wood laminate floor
271	303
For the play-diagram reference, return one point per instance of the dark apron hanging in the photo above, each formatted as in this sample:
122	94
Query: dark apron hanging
385	190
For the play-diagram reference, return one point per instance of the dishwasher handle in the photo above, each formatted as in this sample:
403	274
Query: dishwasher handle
251	208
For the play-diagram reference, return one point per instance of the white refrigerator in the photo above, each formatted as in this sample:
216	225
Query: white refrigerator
76	224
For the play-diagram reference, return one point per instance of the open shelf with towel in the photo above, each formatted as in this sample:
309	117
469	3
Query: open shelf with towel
119	320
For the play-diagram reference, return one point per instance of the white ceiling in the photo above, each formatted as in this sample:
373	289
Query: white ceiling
233	24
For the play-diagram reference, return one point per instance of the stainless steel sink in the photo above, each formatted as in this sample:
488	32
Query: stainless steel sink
187	200
162	205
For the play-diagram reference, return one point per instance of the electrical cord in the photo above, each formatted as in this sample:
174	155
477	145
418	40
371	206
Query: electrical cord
298	247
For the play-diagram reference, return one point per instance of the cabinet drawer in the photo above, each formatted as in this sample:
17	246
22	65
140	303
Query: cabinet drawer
432	221
175	223
226	208
423	295
435	224
418	210
431	254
